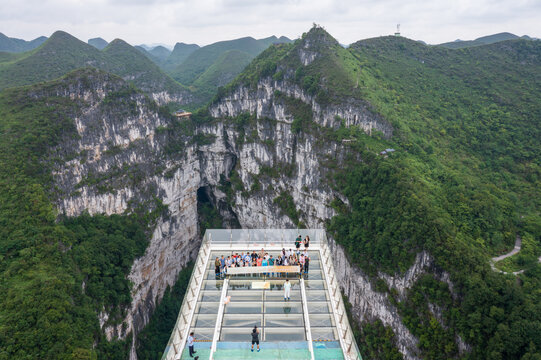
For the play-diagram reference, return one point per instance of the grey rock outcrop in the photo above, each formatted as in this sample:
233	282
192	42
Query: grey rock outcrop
273	160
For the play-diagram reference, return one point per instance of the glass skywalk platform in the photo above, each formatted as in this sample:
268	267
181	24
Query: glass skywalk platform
223	309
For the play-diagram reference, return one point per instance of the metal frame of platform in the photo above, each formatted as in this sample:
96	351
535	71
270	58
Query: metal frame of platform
269	239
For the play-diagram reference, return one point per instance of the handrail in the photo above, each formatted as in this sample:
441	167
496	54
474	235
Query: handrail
307	319
177	340
218	325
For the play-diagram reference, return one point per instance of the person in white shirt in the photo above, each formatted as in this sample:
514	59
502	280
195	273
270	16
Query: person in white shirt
191	339
287	289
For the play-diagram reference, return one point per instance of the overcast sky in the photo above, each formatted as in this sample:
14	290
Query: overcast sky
207	21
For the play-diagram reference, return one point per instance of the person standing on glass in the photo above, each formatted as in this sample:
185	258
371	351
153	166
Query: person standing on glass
191	339
287	289
255	338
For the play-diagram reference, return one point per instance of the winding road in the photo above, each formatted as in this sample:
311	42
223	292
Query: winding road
516	249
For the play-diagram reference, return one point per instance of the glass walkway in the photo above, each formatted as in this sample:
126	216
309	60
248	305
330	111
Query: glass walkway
221	310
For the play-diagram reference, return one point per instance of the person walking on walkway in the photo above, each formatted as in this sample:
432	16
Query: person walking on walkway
287	289
191	339
255	338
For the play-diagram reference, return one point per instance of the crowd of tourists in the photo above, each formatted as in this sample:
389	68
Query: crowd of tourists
289	257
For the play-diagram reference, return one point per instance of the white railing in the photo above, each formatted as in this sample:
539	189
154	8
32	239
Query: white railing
218	326
306	319
345	334
253	239
261	238
177	340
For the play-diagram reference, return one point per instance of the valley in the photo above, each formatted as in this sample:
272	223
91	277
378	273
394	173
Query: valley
105	194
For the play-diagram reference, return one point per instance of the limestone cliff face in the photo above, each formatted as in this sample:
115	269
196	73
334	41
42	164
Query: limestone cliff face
119	161
263	103
122	159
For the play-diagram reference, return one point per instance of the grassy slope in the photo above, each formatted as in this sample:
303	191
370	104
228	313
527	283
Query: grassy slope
464	180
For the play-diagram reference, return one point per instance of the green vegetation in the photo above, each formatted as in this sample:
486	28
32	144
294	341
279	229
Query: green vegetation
285	203
56	275
62	53
222	71
151	341
465	171
18	45
104	249
435	341
463	181
180	52
98	43
375	340
201	59
527	258
485	40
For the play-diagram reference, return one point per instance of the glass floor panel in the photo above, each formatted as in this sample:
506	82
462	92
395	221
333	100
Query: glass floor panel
259	300
284	307
245	295
238	334
313	275
321	320
207	308
210	275
213	284
295	295
319	307
316	295
327	334
285	320
315	285
210	295
285	334
233	320
204	321
204	334
244	308
240	284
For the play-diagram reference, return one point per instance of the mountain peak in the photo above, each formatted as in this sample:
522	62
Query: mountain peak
118	43
62	35
318	33
98	43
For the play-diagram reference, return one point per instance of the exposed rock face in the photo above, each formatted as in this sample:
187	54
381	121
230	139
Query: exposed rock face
263	103
120	161
164	97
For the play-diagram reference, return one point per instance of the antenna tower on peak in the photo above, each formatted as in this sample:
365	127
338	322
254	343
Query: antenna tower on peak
397	33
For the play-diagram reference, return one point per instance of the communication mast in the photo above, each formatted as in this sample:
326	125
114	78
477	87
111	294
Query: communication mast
397	33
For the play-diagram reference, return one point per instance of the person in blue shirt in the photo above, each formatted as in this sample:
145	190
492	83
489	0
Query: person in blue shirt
191	339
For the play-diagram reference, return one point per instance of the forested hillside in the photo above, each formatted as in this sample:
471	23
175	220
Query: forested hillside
462	181
449	165
58	274
62	53
18	45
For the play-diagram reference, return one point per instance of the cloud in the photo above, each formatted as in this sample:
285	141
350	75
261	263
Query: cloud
207	21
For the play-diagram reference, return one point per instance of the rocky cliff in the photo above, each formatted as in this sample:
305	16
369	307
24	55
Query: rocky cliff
134	155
